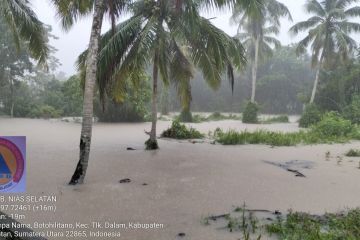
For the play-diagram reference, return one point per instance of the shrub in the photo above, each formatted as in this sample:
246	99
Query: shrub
332	125
180	131
353	153
310	116
185	116
352	111
45	111
250	114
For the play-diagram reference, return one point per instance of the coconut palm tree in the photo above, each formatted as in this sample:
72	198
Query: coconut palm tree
69	11
258	21
26	27
258	48
329	32
155	36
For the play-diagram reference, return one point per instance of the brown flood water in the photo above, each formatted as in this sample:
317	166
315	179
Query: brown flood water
186	181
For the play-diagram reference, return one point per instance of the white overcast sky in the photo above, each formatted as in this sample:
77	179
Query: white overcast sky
71	44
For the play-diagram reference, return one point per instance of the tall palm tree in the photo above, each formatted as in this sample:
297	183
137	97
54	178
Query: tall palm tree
26	27
154	36
69	11
255	20
329	32
258	48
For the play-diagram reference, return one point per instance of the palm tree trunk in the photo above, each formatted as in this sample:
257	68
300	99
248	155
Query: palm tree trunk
152	144
87	121
12	102
165	100
317	77
316	83
254	70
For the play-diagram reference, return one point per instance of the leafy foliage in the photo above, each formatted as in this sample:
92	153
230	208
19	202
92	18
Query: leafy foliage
310	116
180	131
25	28
130	106
352	111
250	114
45	111
332	125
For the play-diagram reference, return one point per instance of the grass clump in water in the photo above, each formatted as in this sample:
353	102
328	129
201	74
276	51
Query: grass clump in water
277	119
331	129
180	131
259	137
353	153
302	226
217	116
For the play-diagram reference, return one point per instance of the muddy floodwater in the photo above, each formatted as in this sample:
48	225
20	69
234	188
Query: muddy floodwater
181	183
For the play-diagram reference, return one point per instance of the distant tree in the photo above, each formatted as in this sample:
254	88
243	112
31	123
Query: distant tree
259	23
329	32
282	79
73	96
14	64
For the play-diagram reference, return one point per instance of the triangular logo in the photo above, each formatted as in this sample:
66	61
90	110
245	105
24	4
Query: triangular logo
4	169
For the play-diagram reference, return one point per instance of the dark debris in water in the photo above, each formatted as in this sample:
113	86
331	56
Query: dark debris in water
294	166
125	180
181	234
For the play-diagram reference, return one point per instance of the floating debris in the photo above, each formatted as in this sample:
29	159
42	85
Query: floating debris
126	180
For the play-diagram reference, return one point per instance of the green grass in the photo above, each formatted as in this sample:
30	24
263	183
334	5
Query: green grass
353	153
277	119
216	116
180	131
232	137
293	225
302	226
331	129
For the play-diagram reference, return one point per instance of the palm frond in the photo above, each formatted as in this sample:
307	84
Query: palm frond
26	27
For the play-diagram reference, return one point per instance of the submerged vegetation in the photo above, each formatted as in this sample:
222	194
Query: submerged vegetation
180	131
277	119
353	153
216	116
250	114
293	225
331	129
302	226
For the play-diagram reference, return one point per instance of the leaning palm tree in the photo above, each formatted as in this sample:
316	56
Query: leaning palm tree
154	36
69	11
26	27
255	20
329	32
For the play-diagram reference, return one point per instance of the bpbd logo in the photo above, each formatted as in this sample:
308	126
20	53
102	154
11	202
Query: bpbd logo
12	164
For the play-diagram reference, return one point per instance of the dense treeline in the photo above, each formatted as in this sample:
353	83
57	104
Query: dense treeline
283	82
